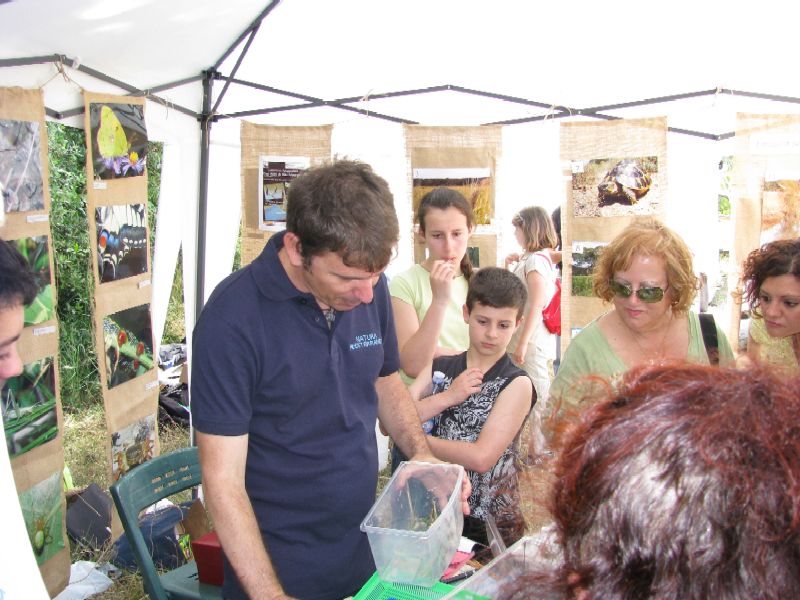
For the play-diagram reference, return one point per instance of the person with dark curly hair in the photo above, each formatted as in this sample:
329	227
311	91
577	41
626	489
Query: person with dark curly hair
771	282
17	289
682	484
646	273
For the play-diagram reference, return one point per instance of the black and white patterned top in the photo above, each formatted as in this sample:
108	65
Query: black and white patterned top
495	492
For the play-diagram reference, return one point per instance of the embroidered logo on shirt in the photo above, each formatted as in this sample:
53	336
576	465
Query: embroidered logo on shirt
365	340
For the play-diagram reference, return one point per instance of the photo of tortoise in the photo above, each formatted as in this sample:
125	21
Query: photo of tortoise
625	183
616	186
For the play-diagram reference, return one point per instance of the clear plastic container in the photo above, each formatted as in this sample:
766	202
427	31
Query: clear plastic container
415	525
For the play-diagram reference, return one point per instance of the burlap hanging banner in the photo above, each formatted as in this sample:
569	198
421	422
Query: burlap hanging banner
116	175
271	157
766	189
465	159
616	171
31	402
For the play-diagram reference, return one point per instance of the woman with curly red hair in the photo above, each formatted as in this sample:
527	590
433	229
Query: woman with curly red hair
771	277
684	483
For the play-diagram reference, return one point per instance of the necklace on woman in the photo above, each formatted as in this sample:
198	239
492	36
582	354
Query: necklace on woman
660	352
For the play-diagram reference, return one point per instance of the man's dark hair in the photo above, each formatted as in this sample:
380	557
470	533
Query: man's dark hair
498	288
17	283
345	208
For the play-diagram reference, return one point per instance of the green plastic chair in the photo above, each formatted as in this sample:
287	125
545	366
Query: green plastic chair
143	486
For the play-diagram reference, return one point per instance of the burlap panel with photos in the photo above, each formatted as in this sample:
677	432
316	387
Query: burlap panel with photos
597	141
765	202
476	147
126	402
270	140
40	340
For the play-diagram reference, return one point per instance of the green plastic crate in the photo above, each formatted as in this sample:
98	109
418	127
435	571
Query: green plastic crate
376	589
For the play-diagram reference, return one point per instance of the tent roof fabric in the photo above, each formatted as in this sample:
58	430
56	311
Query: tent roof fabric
556	57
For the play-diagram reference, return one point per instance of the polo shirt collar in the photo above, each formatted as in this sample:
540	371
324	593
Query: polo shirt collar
269	275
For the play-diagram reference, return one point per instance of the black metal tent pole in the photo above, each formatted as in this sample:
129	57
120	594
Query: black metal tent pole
206	119
62	59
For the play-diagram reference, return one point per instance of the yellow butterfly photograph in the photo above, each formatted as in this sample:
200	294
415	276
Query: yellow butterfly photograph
119	140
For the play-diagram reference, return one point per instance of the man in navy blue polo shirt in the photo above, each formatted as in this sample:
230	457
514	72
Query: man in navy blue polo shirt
294	358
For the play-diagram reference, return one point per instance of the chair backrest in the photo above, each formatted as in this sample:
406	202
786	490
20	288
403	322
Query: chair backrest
145	485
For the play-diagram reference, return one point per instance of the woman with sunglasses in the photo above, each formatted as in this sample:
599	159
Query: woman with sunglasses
646	273
771	277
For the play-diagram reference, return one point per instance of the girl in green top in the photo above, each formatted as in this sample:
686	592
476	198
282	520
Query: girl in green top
428	298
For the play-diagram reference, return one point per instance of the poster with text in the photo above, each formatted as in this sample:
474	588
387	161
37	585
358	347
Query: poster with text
21	184
128	344
119	139
276	176
473	183
28	402
616	187
121	241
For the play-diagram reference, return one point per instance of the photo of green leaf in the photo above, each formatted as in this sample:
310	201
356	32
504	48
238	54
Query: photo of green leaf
41	509
35	251
29	407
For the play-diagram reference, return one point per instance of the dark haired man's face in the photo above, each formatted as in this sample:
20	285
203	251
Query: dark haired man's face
338	286
11	323
332	283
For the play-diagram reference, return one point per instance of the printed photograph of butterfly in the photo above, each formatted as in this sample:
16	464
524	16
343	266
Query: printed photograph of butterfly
119	140
121	241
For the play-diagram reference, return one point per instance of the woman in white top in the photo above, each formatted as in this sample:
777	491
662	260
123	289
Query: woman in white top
533	346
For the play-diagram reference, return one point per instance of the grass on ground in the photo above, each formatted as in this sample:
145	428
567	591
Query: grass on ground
86	454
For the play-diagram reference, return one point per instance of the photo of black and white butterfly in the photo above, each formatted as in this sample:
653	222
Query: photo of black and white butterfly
121	241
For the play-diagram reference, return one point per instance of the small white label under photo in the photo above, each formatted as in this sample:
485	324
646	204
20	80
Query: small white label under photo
37	218
143	284
44	330
100	185
578	166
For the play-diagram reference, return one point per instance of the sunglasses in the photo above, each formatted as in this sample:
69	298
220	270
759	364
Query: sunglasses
647	294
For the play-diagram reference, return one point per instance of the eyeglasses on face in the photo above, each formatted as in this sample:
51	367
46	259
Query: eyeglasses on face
646	293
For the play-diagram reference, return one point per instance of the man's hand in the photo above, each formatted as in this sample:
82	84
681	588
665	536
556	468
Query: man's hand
439	486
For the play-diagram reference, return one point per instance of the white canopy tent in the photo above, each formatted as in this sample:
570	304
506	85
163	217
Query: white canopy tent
369	66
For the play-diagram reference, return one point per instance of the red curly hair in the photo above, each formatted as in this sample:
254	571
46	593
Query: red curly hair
684	483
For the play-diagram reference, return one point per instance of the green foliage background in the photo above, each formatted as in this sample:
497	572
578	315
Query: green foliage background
582	285
80	380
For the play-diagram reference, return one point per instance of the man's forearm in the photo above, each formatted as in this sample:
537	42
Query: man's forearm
400	418
241	540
